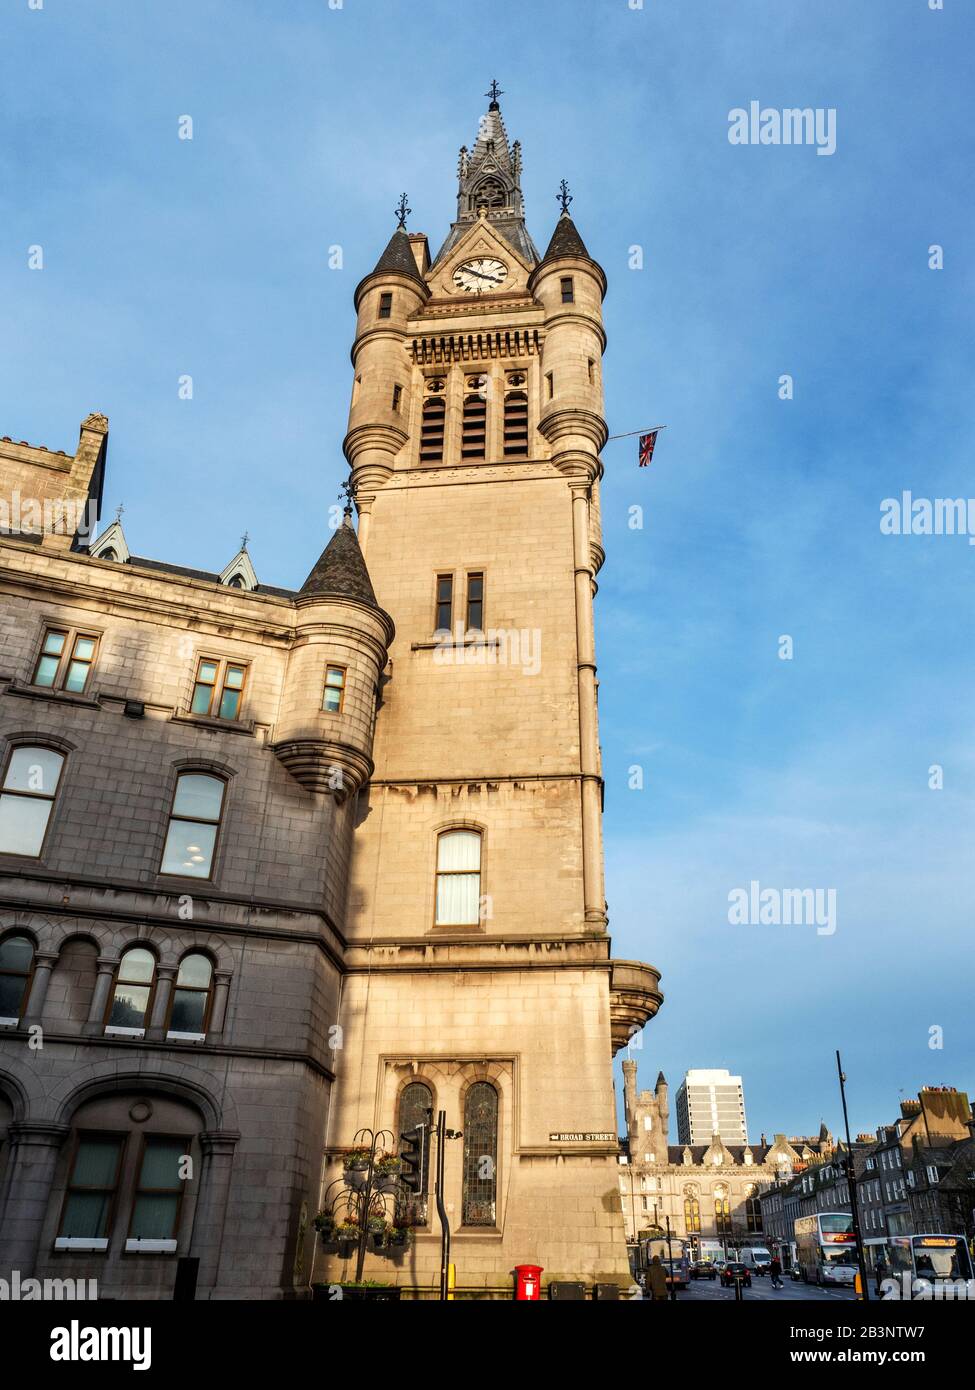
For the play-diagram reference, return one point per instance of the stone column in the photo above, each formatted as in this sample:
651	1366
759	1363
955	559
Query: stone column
44	964
218	1147
218	1013
165	974
31	1163
99	996
592	852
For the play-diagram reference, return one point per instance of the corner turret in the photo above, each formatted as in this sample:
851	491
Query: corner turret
332	685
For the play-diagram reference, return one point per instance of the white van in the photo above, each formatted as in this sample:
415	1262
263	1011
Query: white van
756	1258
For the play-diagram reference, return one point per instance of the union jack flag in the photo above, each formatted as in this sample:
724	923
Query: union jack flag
647	442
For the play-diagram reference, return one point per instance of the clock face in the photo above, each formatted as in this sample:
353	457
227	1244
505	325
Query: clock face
482	275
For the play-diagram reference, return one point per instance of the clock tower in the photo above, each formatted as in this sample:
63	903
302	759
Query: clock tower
479	978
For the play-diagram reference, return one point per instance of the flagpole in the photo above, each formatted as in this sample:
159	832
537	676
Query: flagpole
630	433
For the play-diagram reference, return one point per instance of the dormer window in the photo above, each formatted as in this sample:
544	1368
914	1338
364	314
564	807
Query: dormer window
108	554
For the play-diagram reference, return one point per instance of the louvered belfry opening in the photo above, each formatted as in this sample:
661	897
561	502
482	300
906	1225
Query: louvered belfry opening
473	435
432	429
516	417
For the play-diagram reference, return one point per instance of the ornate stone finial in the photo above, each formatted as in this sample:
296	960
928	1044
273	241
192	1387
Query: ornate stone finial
402	211
462	162
564	197
516	160
494	92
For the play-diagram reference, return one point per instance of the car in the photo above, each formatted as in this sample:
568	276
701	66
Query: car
703	1269
735	1272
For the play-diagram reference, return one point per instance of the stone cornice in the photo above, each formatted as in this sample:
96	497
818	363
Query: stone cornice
124	901
38	580
477	952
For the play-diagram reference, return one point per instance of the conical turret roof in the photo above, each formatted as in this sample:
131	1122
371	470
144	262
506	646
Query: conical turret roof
341	571
398	258
566	241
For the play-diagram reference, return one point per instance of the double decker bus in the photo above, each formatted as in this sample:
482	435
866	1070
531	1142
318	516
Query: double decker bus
826	1250
674	1256
943	1261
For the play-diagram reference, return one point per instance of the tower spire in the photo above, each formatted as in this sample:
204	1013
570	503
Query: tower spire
489	183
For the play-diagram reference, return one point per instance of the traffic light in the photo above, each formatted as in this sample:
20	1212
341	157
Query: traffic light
411	1152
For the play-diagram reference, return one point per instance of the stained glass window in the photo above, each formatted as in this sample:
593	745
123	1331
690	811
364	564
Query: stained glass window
480	1155
415	1106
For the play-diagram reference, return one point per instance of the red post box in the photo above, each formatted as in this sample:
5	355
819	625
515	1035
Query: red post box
528	1283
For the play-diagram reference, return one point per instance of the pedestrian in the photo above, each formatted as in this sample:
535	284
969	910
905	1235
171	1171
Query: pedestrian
775	1270
657	1280
881	1273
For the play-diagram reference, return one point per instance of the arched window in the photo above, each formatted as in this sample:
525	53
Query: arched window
107	554
516	425
415	1105
30	785
16	968
458	878
189	1011
236	582
722	1211
193	824
432	429
692	1211
473	437
753	1209
128	1007
480	1155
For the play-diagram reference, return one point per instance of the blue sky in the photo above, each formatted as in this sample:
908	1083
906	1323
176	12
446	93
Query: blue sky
761	516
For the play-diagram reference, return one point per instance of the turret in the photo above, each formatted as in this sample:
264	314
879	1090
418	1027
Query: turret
571	286
379	415
328	707
629	1092
662	1092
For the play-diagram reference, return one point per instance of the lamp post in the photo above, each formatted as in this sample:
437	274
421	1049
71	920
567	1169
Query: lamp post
851	1182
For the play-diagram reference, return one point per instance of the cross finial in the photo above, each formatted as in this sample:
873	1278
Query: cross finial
564	196
118	512
348	492
402	211
244	539
494	92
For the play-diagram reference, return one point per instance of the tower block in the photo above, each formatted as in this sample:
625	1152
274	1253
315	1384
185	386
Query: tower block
479	977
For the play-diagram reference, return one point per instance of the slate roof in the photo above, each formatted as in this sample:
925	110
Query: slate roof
206	576
566	241
513	230
398	257
341	570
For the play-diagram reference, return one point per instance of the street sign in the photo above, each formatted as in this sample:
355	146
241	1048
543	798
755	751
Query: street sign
582	1138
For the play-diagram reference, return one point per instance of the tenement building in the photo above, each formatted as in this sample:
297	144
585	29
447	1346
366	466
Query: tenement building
709	1194
280	866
